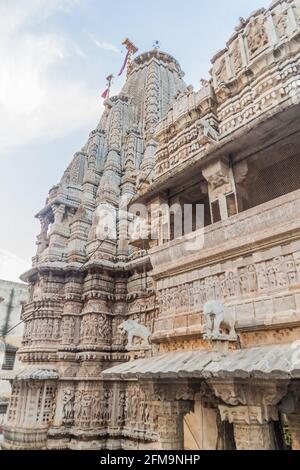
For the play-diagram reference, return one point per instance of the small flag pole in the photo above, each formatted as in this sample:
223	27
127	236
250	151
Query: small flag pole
131	50
106	92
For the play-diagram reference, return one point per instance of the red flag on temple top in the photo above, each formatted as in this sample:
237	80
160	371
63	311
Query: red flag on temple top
105	93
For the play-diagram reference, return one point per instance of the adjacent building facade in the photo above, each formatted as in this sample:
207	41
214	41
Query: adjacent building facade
211	354
12	296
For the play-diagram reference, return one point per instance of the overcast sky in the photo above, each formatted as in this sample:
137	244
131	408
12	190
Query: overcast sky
54	57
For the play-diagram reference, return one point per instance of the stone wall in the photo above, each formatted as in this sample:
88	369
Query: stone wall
260	285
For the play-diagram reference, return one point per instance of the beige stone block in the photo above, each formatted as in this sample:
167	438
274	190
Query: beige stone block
216	269
297	302
284	303
205	272
273	252
194	319
263	309
248	260
180	322
238	263
288	249
190	275
257	257
163	325
227	266
245	314
231	309
295	246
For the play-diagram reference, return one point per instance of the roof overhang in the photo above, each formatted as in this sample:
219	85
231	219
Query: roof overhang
262	133
30	373
265	362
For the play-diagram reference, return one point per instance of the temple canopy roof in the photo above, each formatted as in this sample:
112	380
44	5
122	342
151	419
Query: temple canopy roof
264	362
31	373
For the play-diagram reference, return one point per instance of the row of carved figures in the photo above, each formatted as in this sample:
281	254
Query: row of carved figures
279	272
41	329
93	328
85	408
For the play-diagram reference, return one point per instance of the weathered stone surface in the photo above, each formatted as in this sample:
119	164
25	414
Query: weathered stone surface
230	148
281	361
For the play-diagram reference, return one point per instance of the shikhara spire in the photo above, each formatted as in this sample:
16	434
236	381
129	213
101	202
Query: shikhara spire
83	283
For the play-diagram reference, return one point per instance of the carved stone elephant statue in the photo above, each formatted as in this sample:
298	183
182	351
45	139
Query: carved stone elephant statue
135	330
216	318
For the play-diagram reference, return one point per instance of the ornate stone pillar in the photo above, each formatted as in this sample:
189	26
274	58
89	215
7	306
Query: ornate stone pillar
290	406
159	212
169	403
252	426
294	428
79	228
221	189
170	424
42	238
59	232
251	408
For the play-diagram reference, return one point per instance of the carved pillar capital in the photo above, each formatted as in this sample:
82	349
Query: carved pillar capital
241	392
170	403
230	392
221	184
252	426
170	423
218	176
159	208
290	405
58	212
241	170
248	414
294	428
251	408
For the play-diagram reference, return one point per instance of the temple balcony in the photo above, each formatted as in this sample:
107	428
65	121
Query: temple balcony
250	262
254	78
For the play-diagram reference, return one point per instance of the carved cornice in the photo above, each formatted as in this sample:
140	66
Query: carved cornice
255	393
248	414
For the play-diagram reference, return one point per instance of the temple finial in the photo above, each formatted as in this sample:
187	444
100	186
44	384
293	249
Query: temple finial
131	50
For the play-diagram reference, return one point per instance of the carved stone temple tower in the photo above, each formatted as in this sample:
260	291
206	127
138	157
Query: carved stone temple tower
212	314
83	283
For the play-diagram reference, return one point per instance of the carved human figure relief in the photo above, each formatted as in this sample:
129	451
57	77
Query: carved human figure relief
78	405
135	330
244	282
121	408
236	56
220	71
257	36
291	270
68	405
209	133
280	271
280	22
107	410
217	317
96	407
68	327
